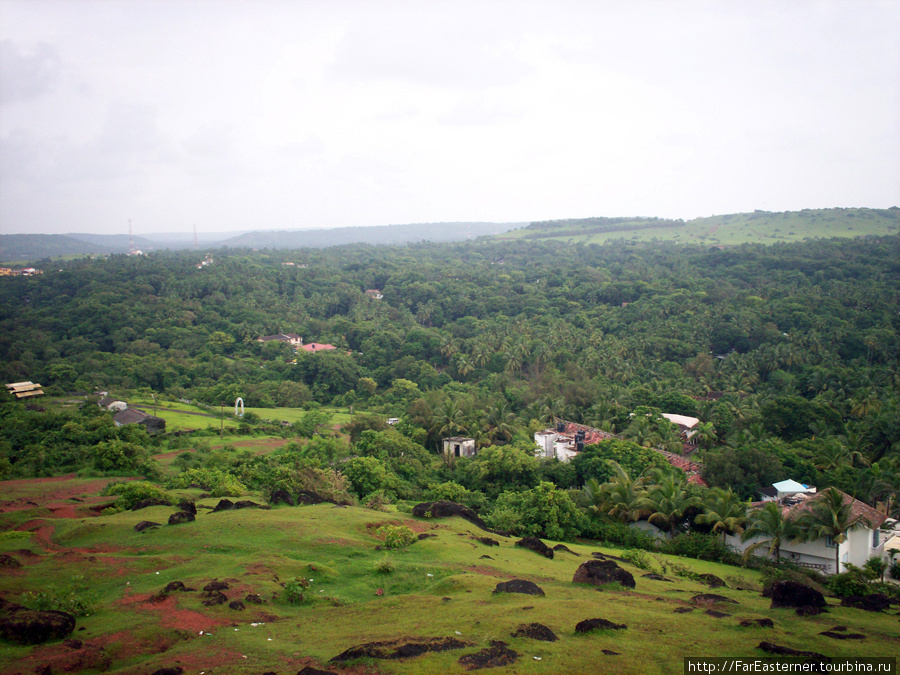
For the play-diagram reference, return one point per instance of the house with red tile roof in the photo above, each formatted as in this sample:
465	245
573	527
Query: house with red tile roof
565	440
317	347
861	543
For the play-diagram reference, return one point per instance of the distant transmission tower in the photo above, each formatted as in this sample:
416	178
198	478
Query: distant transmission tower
196	240
130	239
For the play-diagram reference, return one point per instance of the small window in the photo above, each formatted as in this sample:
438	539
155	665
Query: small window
829	542
876	537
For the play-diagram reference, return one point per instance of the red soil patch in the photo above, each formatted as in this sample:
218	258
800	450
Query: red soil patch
55	494
170	615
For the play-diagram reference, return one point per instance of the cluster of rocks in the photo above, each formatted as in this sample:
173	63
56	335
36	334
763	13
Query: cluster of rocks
212	595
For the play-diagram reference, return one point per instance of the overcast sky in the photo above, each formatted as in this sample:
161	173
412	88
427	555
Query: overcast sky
282	114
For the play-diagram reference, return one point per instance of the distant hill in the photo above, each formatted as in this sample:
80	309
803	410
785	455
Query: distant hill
21	247
764	227
15	247
383	234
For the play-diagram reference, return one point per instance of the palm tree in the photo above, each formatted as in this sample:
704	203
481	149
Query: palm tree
449	418
667	503
500	420
705	435
776	529
622	497
725	511
829	515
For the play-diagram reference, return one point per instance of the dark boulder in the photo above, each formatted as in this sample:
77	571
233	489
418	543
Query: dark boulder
213	598
172	670
565	549
399	648
487	541
536	545
717	614
497	655
599	572
842	636
224	505
8	562
146	525
174	586
796	595
30	626
655	577
237	605
711	580
519	586
779	650
145	503
757	623
281	496
876	602
309	670
610	652
426	535
307	497
188	506
246	504
216	586
536	631
253	599
711	598
588	625
180	517
444	509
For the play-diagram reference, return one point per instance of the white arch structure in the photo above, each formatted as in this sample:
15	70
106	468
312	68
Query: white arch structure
239	402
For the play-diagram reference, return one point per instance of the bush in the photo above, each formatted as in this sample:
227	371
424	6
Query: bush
384	566
396	536
134	492
293	593
894	569
701	546
639	558
73	598
454	492
619	534
874	568
852	582
377	501
217	483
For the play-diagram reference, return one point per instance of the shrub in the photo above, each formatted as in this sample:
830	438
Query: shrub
73	598
133	492
852	582
620	534
293	593
874	567
384	566
639	558
217	483
377	501
396	536
894	569
454	492
700	546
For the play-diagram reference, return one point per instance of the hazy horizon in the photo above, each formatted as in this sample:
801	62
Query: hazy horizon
275	115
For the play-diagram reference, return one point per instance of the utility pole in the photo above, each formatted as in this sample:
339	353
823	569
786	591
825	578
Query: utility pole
222	420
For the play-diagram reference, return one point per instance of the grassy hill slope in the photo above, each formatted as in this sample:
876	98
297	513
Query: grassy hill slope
758	227
440	586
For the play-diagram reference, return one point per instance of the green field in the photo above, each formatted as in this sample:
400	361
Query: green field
758	227
441	586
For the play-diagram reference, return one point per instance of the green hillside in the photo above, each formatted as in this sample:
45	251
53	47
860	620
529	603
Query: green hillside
758	227
438	587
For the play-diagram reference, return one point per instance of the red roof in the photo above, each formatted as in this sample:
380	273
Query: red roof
317	347
858	509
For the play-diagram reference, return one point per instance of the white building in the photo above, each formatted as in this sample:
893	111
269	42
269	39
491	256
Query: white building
459	446
861	543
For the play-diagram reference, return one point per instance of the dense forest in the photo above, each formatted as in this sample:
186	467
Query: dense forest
788	354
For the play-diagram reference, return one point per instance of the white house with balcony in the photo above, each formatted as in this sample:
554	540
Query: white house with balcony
861	543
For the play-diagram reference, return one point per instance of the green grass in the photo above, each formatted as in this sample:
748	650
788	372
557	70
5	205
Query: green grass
438	587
